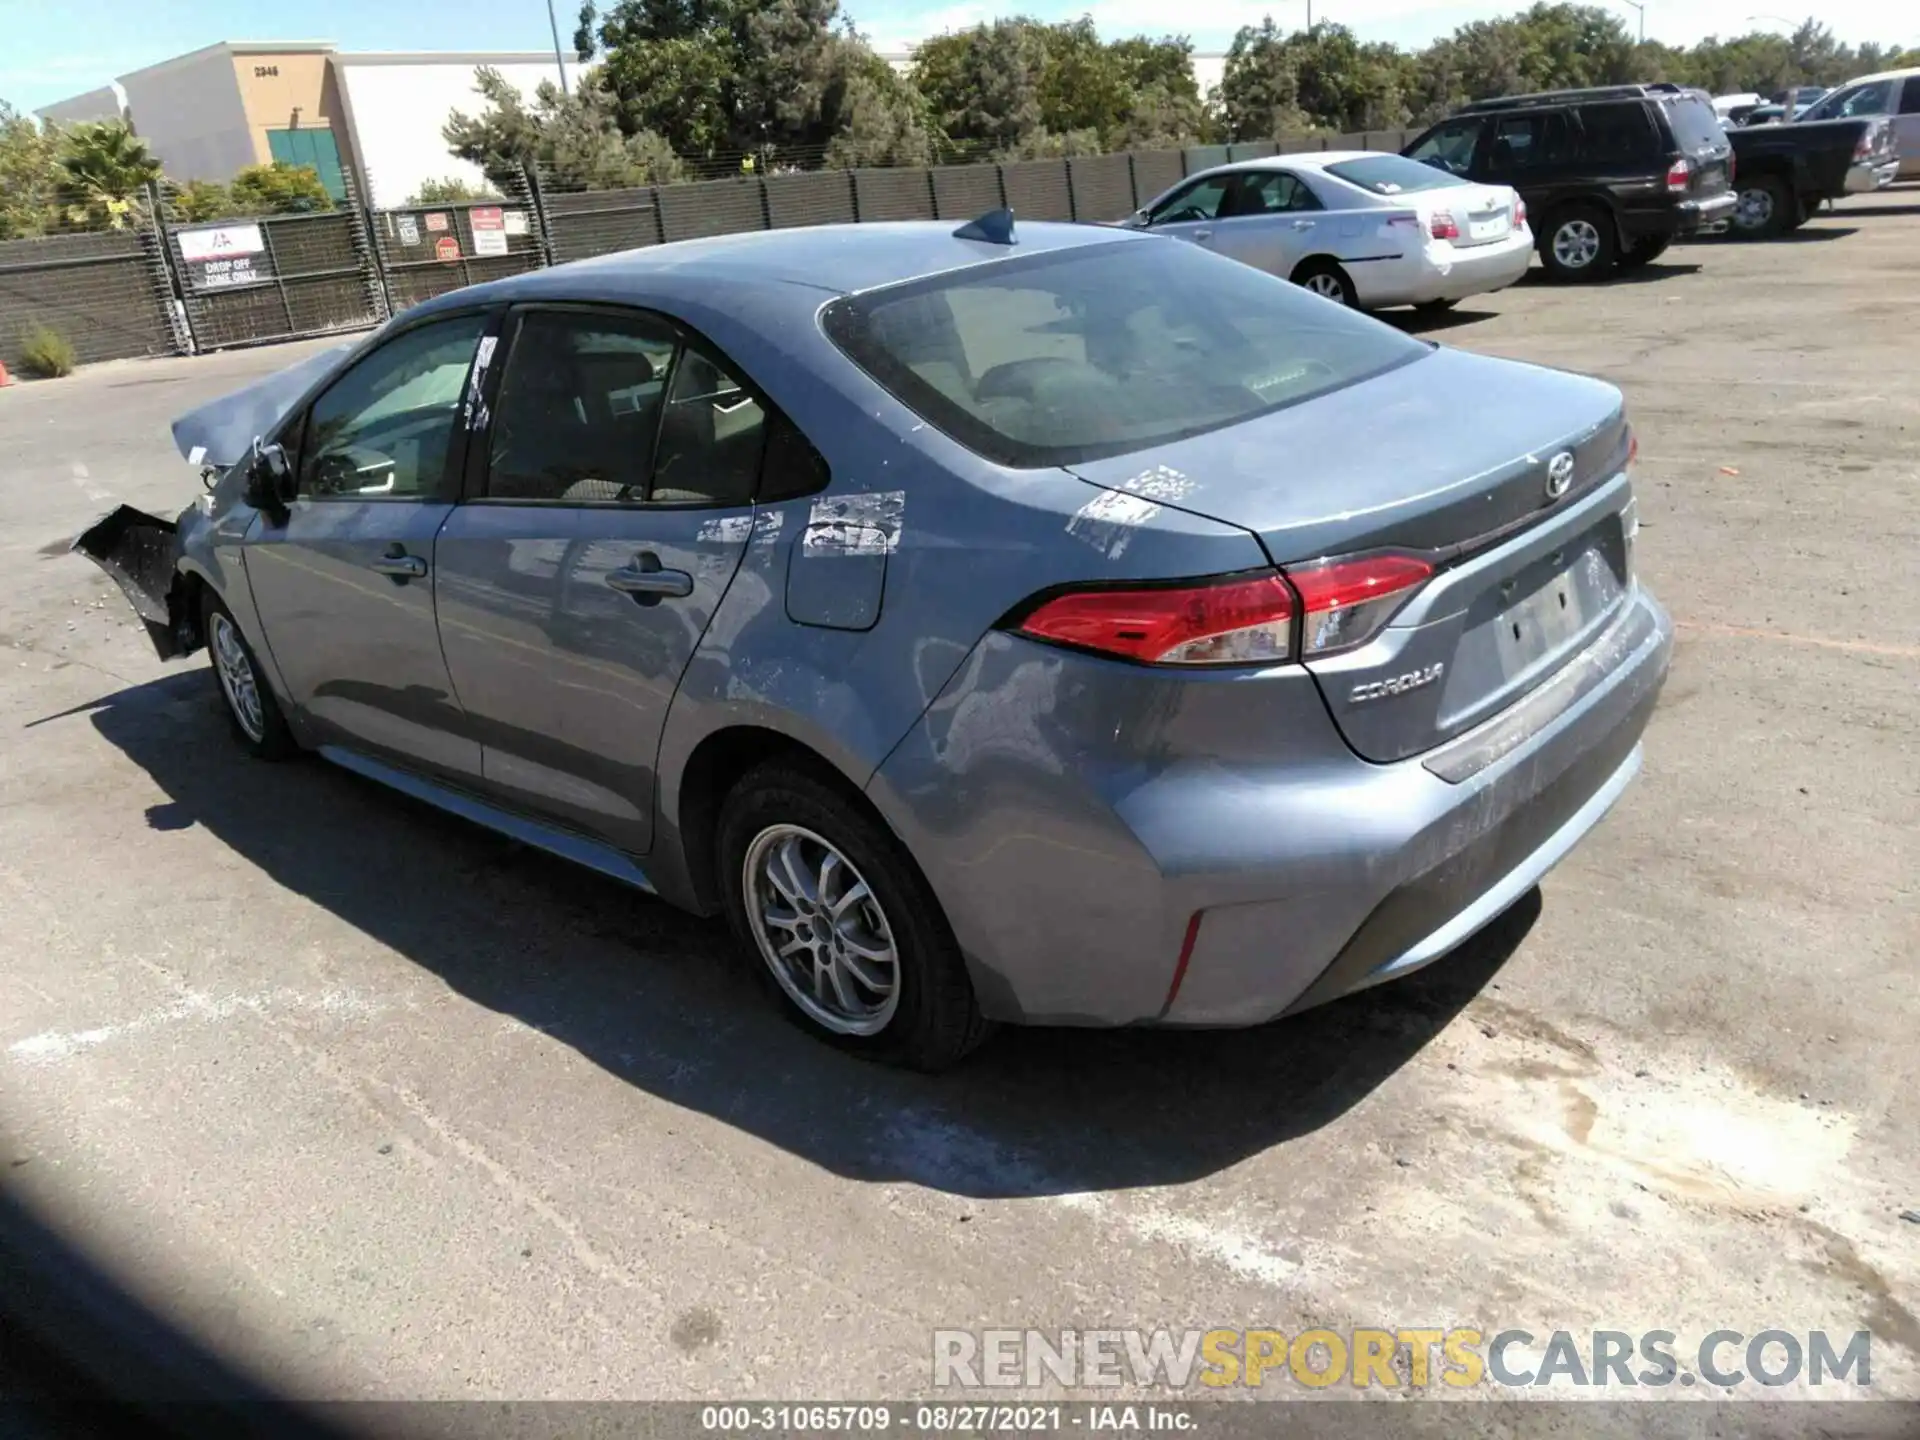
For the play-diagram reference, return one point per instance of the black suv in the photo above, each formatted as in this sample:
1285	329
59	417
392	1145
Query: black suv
1610	175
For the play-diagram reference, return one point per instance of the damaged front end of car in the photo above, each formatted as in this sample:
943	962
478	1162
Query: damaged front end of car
141	552
153	560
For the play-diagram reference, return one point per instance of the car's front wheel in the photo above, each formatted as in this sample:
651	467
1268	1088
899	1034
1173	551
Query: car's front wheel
1578	244
840	924
251	709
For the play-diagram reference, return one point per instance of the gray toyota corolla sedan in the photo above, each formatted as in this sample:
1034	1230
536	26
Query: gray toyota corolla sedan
1057	626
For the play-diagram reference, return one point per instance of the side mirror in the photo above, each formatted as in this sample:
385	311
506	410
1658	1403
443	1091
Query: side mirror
269	479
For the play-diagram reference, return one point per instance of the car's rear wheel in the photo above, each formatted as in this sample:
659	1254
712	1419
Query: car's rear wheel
1578	244
1327	280
251	709
1766	208
1644	251
842	927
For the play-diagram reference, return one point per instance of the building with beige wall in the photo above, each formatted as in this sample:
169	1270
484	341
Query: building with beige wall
213	111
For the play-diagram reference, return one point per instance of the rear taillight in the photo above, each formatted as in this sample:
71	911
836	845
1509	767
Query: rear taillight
1345	602
1519	214
1243	620
1679	174
1865	146
1442	226
1239	620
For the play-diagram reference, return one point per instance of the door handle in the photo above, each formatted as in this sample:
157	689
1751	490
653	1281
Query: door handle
400	565
1303	224
1203	234
647	581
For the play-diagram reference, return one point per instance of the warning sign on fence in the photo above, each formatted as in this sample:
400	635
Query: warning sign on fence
409	229
437	221
489	230
446	248
219	257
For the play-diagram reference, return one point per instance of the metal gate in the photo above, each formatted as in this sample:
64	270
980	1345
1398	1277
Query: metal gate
275	277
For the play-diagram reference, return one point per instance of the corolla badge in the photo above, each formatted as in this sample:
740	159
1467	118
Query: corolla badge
1559	474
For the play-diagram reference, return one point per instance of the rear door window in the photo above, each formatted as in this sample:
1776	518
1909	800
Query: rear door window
1910	96
625	408
1860	101
1531	140
1618	134
1272	192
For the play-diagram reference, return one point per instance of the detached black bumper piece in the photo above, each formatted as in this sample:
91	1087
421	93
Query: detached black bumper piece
139	551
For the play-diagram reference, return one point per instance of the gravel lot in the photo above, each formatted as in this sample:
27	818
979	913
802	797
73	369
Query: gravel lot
383	1106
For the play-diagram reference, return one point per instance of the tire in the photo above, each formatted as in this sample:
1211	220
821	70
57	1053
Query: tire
1766	209
928	1019
1643	252
1578	244
1434	307
1327	280
244	693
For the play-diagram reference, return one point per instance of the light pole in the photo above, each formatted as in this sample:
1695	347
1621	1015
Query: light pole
559	64
1772	20
1643	17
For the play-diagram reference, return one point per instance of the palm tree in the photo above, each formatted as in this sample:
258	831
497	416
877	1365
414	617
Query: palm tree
105	169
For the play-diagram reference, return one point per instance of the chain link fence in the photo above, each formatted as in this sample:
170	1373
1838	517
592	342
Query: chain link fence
150	281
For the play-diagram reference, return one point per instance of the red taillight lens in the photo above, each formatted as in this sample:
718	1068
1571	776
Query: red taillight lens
1519	214
1242	620
1633	448
1443	227
1678	175
1345	602
1245	620
1733	164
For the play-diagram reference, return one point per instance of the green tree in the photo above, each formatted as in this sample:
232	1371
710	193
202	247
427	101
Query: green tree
29	169
278	188
449	190
1260	86
983	84
876	116
104	170
574	140
201	200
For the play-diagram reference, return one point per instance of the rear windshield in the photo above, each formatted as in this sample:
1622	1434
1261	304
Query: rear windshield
1695	125
1392	175
1093	351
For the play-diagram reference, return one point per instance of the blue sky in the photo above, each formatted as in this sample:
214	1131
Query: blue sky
56	48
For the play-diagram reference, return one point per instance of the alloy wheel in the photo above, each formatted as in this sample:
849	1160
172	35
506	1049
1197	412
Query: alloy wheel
1325	283
1576	244
821	930
237	681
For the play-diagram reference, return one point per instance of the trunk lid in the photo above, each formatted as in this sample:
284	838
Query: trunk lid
1461	459
1483	214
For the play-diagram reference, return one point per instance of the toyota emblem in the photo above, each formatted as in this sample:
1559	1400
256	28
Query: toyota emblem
1559	474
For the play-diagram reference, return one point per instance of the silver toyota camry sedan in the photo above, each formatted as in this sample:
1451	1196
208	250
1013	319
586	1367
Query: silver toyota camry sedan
1044	624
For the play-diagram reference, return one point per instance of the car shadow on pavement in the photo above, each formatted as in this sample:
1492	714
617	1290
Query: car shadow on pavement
1649	274
653	996
1416	323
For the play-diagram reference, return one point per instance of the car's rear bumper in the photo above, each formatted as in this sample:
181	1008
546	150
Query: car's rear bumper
1446	274
1269	870
1867	176
1692	216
